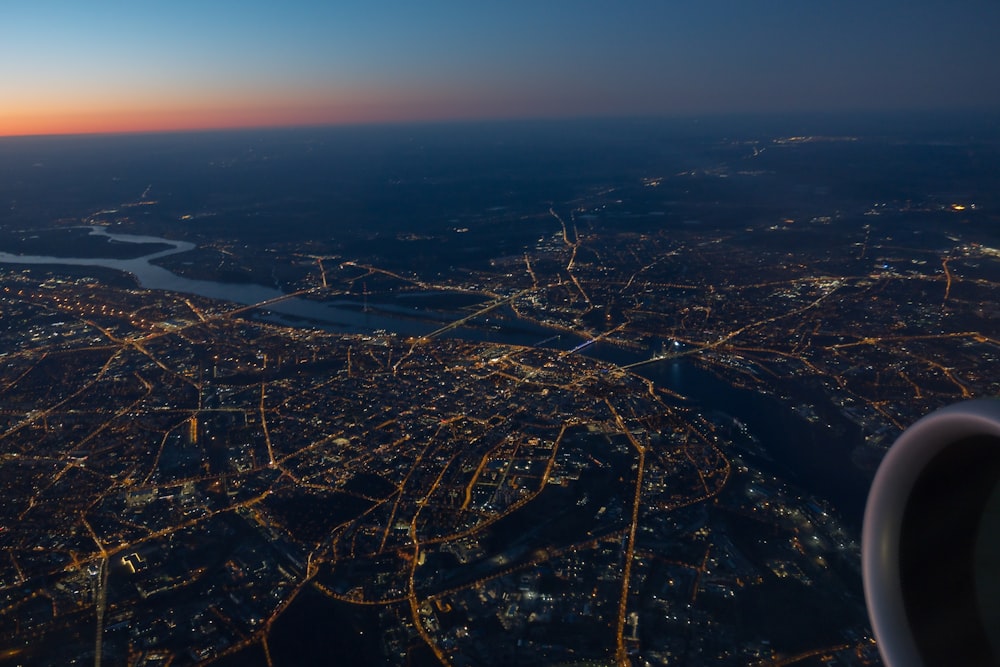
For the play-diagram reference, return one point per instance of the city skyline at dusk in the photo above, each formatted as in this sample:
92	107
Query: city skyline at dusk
116	67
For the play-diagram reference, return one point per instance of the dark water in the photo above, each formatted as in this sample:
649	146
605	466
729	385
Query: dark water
814	456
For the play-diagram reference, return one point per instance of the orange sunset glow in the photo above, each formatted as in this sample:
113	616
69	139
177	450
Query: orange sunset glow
100	67
75	117
282	108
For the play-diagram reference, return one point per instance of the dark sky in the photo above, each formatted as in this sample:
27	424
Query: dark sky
119	66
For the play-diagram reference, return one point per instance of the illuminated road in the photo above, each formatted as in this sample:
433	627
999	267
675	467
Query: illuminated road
100	604
621	657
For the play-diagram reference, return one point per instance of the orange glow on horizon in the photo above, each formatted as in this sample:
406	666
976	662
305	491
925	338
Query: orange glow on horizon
164	112
117	121
123	120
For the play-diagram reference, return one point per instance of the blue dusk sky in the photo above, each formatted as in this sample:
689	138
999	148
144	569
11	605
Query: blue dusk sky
102	66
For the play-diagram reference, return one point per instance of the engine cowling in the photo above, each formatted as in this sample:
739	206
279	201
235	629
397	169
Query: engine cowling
930	545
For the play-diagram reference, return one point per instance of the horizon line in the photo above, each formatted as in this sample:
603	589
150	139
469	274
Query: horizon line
691	116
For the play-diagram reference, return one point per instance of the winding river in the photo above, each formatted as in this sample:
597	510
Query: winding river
340	315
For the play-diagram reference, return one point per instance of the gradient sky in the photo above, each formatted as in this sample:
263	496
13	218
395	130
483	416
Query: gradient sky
70	66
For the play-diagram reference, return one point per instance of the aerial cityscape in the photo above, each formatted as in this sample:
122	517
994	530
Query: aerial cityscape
522	393
472	334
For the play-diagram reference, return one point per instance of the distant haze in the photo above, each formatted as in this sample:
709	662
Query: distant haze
103	66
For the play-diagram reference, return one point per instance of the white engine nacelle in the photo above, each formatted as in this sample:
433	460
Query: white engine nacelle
930	547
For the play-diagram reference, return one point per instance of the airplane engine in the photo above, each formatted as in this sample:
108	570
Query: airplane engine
930	545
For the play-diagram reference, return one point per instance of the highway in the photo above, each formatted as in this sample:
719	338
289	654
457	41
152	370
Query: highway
621	656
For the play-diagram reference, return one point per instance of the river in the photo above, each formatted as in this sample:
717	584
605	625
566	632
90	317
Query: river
808	454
